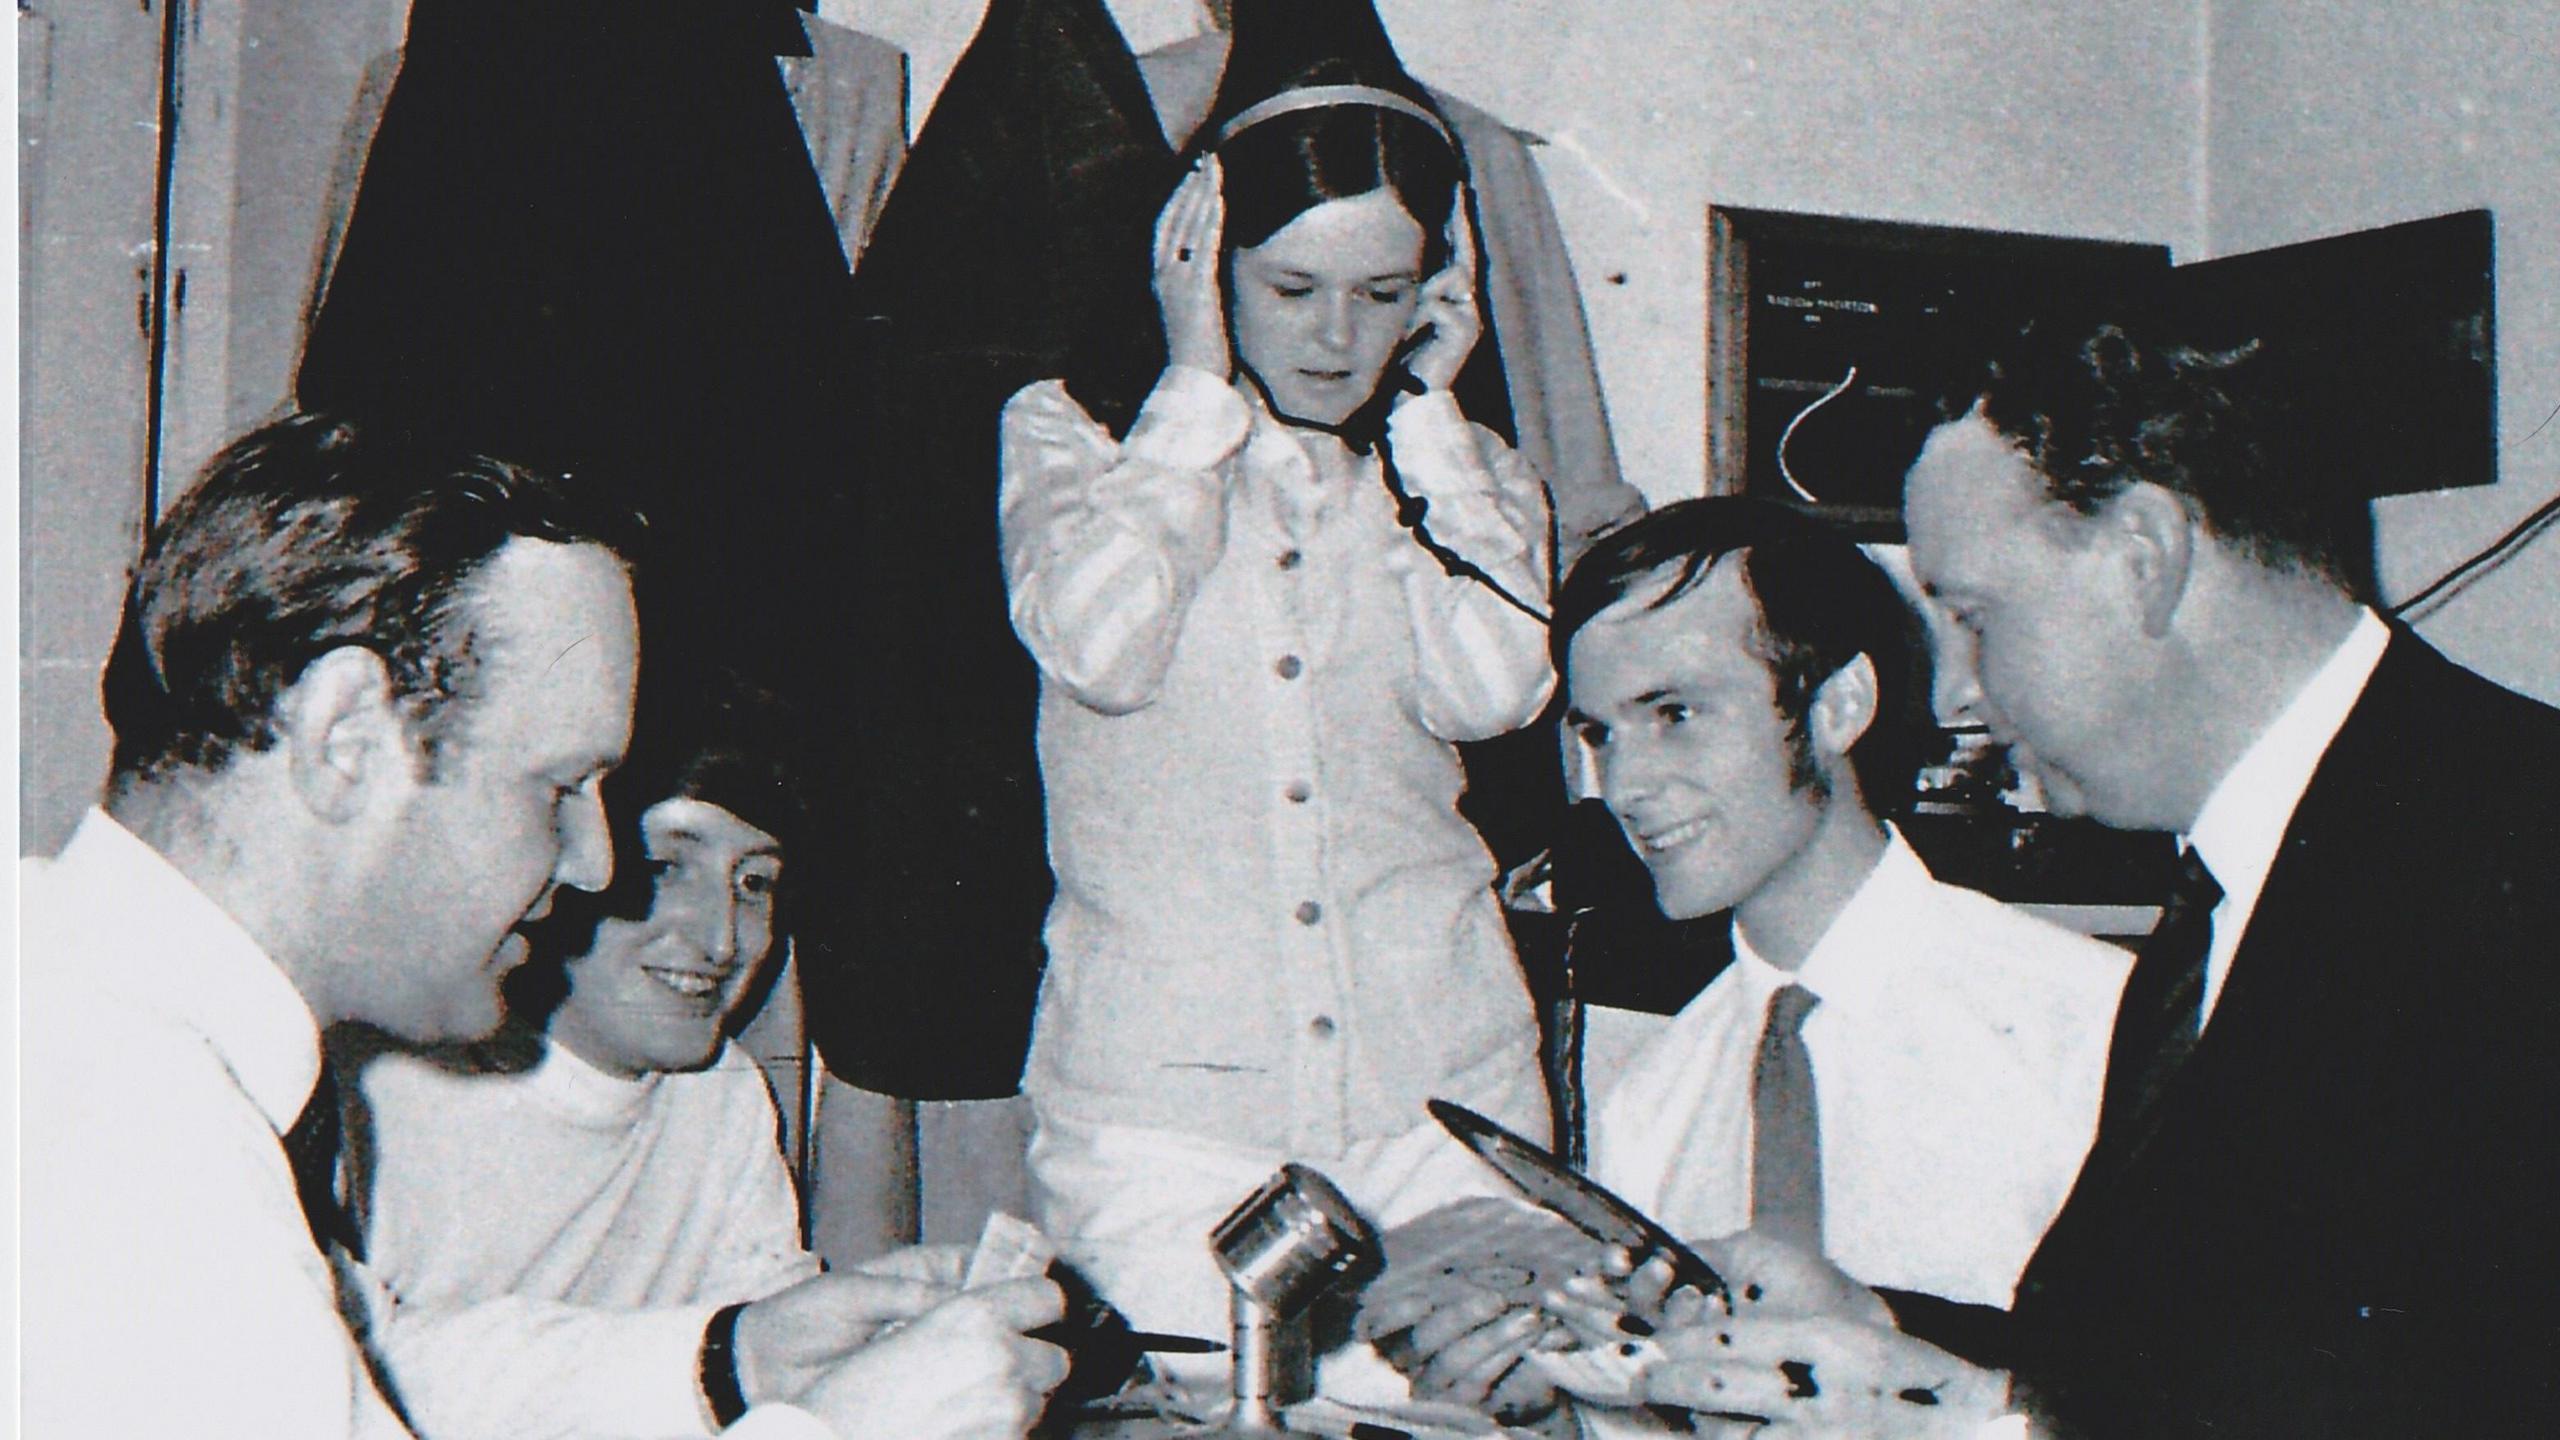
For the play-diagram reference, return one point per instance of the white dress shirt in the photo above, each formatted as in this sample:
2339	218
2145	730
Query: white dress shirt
170	1284
1272	925
2243	821
1959	1054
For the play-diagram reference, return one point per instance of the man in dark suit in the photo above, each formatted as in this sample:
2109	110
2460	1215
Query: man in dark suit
2320	1198
2327	1168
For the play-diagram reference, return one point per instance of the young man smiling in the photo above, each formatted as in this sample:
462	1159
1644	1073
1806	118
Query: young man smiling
1737	675
1896	1075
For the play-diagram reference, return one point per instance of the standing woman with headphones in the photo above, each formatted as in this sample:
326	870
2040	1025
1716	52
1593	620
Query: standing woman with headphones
1264	613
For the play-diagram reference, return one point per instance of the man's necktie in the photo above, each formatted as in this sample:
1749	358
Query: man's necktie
2162	1012
312	1147
1786	1131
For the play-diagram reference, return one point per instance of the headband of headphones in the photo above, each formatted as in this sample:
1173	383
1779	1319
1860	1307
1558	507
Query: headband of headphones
1318	97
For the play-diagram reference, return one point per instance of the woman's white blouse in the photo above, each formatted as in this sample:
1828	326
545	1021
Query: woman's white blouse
1272	924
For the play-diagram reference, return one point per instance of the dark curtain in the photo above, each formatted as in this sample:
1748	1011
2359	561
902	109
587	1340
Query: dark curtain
589	238
1017	235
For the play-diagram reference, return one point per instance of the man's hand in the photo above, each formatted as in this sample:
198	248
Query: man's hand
1784	1279
1458	1309
963	1370
941	1266
1802	1345
1823	1375
787	1340
1188	234
1469	1351
1762	1275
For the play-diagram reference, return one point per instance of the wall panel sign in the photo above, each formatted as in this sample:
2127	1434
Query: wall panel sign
1829	339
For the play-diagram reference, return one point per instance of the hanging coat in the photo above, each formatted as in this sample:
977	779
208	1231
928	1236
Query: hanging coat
1016	236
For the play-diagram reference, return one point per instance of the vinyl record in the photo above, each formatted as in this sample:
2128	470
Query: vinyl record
1546	1182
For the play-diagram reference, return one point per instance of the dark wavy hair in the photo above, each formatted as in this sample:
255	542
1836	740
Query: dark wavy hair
305	535
1821	604
2097	401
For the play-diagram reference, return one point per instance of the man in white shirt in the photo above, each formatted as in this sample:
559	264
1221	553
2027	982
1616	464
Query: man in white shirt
1740	678
363	700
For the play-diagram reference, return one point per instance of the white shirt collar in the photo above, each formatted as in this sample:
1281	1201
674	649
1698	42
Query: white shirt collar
179	952
2243	821
1859	947
1302	471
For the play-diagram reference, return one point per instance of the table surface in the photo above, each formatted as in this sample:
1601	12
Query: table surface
1115	1427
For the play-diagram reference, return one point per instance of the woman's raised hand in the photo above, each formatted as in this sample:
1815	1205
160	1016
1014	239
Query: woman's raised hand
1449	308
1187	237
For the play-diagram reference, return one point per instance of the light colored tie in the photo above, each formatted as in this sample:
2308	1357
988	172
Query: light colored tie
1786	1128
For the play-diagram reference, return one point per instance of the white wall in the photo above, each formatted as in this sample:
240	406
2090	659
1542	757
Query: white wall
89	110
2073	118
2362	112
267	87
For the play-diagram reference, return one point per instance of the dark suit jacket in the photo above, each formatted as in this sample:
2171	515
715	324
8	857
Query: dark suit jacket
2344	1222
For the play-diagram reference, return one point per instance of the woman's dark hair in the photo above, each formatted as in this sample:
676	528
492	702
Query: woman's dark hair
1285	166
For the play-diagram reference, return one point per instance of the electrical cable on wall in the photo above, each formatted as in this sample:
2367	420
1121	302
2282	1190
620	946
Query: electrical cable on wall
1784	471
2487	560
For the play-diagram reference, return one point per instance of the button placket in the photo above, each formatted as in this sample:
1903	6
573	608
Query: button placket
1306	924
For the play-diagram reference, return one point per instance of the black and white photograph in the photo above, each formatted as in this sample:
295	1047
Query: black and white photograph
1386	719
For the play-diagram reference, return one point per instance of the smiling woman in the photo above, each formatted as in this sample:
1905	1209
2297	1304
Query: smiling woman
650	994
643	976
612	1150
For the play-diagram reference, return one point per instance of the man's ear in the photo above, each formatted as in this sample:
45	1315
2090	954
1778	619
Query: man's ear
2156	535
1843	707
342	735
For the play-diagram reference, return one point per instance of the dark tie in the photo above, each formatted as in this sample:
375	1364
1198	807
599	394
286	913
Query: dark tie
2162	1012
1786	1133
312	1147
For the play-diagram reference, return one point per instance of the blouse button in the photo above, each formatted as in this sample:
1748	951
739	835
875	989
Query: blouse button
1289	559
1321	1027
1309	912
1289	667
1299	792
